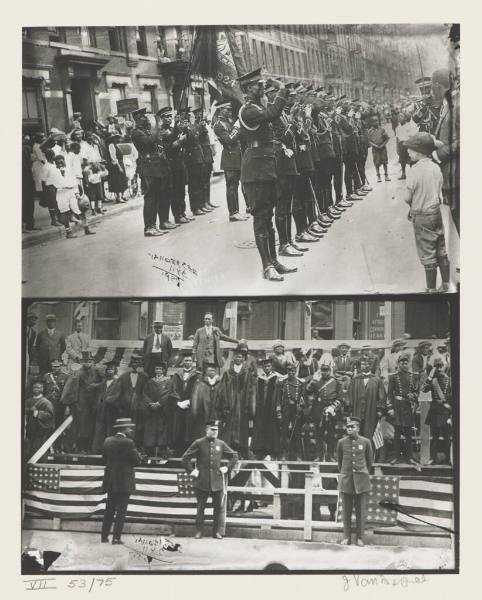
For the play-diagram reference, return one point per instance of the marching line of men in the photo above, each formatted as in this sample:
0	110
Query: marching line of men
291	409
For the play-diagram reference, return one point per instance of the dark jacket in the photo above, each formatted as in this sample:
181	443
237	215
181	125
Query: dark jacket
258	162
229	138
193	152
355	459
208	455
120	456
166	349
49	348
152	161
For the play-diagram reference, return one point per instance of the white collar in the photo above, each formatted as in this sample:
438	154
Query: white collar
265	377
212	381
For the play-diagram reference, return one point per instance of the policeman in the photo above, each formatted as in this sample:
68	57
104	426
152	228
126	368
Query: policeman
153	169
355	460
227	133
258	169
206	453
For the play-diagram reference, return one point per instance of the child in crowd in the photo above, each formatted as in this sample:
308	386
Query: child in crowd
405	129
49	196
424	195
93	176
378	138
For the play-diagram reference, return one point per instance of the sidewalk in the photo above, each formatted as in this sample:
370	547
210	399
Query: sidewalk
49	232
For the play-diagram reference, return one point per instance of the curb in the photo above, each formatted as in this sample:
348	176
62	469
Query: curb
57	233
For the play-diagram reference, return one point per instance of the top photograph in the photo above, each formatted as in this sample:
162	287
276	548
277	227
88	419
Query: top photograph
240	160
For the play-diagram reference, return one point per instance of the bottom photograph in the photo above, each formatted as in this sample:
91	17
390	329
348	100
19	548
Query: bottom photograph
240	435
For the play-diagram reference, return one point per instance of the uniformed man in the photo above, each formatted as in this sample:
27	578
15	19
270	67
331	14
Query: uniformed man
227	133
203	462
289	410
329	392
194	161
153	169
355	460
39	420
208	159
258	169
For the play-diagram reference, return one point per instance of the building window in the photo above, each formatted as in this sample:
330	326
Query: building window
323	320
88	37
149	99
116	92
56	34
107	320
141	41
116	39
31	113
264	58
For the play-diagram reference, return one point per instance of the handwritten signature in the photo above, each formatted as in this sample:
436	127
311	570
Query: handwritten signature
172	269
351	582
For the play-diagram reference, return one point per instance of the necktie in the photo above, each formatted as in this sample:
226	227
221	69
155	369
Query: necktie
158	343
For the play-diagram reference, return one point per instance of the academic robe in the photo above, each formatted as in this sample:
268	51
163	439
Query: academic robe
79	395
266	431
366	400
181	419
237	397
104	418
204	405
156	411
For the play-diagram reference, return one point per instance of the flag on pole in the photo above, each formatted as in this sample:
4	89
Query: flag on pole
217	56
378	436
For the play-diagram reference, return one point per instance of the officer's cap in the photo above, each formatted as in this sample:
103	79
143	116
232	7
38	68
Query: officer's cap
138	113
256	76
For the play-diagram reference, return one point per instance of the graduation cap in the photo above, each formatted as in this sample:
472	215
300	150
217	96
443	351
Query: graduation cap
253	77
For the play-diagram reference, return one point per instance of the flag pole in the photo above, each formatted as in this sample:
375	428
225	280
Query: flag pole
188	70
46	445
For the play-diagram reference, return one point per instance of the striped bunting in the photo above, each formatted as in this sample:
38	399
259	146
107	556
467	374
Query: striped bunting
427	499
78	493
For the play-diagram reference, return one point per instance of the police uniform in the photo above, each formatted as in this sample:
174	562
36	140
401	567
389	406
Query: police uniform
207	454
258	170
355	459
174	154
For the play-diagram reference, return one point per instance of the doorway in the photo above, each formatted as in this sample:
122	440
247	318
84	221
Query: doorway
83	101
195	315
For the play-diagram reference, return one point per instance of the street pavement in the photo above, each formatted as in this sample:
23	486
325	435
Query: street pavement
83	551
370	250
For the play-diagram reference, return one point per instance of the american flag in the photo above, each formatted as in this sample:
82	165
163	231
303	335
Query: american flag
384	488
378	436
68	493
428	498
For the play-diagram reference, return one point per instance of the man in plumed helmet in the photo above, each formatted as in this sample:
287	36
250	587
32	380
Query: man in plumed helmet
258	169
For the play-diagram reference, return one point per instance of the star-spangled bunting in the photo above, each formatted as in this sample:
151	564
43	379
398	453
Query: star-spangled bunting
384	488
185	485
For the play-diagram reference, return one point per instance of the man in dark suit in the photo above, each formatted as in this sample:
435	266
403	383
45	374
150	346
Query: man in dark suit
120	456
355	459
157	349
228	135
50	344
207	453
206	346
31	338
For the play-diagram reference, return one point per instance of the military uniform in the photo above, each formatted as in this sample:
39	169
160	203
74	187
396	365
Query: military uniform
289	410
207	167
153	168
355	459
439	412
194	161
228	135
207	454
330	395
174	153
258	172
402	399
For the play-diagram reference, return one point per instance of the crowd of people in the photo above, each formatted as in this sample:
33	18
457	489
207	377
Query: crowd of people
286	405
299	154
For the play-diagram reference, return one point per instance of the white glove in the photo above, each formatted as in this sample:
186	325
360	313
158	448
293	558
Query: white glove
195	473
35	413
183	404
223	470
237	124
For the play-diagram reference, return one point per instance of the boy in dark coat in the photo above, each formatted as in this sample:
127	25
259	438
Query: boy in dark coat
39	420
